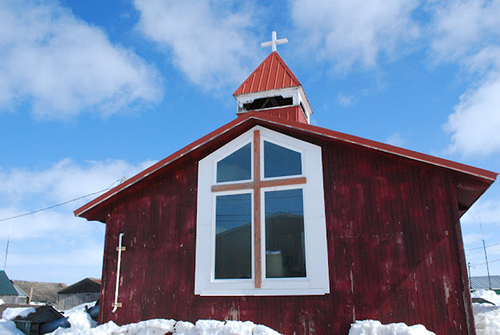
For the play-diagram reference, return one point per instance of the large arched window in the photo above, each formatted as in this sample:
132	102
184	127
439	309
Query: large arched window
261	218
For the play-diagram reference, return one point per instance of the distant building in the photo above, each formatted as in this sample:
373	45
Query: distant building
485	283
86	290
39	292
8	293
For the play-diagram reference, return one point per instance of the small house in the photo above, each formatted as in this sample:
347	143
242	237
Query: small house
86	290
8	292
297	227
485	283
44	320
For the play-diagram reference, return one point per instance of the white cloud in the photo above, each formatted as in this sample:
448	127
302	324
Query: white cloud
54	243
476	120
468	33
64	180
209	41
63	65
345	100
396	139
483	212
464	27
355	32
25	191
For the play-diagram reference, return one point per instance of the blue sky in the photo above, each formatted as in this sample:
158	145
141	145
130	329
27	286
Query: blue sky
91	91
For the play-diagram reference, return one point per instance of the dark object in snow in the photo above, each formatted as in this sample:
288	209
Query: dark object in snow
49	327
481	301
93	311
44	320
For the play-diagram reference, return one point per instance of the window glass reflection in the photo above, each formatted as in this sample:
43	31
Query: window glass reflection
233	250
280	161
236	166
285	248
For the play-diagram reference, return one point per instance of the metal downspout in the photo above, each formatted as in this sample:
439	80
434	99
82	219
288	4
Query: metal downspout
117	304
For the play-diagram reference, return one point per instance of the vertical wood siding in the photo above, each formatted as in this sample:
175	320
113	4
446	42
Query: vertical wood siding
394	246
292	113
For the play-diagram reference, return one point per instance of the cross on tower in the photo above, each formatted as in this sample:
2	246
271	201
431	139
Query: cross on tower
274	42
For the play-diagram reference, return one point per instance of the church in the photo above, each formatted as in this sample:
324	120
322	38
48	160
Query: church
297	227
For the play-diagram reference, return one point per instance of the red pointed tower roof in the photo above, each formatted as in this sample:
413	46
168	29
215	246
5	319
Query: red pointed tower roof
271	74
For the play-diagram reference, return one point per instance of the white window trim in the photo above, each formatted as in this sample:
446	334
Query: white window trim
317	281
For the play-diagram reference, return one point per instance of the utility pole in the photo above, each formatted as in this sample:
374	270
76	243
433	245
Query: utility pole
7	248
487	265
470	276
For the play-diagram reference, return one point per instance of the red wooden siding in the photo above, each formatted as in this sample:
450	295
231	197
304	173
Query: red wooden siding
394	246
293	113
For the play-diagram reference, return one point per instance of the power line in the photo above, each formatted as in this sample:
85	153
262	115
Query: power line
493	261
491	245
64	203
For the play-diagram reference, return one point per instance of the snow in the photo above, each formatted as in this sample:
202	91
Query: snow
6	325
373	327
491	296
162	326
487	320
11	313
486	316
9	328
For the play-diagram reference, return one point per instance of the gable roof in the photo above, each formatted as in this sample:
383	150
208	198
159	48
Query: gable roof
42	291
42	314
6	286
271	74
250	119
86	285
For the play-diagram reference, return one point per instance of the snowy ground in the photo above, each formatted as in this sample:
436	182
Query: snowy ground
487	318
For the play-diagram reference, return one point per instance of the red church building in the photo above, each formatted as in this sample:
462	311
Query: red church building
297	227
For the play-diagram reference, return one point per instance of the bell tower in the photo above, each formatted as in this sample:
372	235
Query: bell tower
273	89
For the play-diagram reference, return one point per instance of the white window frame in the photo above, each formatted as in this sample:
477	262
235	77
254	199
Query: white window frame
316	281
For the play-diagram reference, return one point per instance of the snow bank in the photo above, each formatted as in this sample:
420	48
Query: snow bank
6	325
162	326
486	316
373	327
491	296
12	312
487	319
9	328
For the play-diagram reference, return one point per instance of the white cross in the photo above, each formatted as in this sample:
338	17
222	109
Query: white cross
274	42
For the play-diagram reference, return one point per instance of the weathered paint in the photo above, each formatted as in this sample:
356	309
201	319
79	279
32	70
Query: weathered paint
394	243
292	113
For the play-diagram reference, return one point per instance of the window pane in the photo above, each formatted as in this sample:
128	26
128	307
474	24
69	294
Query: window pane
280	161
233	250
285	253
236	166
